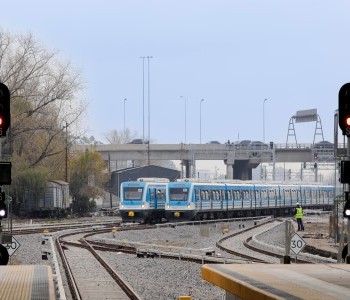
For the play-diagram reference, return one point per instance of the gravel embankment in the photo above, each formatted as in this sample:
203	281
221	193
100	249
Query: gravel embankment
157	278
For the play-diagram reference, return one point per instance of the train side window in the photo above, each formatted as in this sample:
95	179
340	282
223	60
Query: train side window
258	194
218	195
229	195
197	194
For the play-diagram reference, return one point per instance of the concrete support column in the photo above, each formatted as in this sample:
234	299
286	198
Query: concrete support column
182	174
187	172
194	173
229	171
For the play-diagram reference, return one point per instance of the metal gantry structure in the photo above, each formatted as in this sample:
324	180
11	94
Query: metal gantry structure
302	117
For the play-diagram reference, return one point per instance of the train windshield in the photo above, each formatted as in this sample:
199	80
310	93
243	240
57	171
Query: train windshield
178	194
133	193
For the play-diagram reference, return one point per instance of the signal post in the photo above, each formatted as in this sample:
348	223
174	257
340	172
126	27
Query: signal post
344	124
5	169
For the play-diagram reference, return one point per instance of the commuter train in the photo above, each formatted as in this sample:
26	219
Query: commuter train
143	200
195	200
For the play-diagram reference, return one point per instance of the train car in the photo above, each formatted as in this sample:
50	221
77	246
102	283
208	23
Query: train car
196	200
143	200
54	202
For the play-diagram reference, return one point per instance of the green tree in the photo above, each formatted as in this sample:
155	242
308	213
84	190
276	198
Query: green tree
88	178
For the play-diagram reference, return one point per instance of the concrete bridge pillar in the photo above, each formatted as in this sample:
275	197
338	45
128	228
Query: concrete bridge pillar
242	169
229	171
186	168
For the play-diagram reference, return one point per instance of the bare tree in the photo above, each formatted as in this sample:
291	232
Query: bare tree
120	136
46	97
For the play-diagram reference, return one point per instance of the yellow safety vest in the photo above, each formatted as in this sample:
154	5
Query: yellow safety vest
299	213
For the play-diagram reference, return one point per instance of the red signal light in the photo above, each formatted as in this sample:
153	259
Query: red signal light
344	109
347	121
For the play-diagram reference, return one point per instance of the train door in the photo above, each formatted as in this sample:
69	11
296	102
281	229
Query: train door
197	197
156	197
152	191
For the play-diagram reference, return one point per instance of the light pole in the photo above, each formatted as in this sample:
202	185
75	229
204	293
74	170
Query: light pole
124	115
143	98
149	100
264	120
200	121
66	154
149	113
185	118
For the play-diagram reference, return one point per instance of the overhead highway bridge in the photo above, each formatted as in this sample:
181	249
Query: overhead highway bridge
239	160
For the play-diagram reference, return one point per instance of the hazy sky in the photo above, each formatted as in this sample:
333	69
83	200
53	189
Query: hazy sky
232	54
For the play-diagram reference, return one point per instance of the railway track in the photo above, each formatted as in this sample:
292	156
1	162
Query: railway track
247	236
81	257
89	275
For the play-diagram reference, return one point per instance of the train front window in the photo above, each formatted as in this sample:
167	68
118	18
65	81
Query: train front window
178	194
133	193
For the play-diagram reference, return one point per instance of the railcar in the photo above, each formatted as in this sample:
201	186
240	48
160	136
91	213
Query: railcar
143	200
195	200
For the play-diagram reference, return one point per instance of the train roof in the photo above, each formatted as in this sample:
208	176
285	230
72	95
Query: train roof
196	181
153	179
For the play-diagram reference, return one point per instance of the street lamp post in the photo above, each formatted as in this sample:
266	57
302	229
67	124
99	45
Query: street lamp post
143	97
66	162
149	112
149	100
264	120
124	115
66	153
200	121
185	118
261	164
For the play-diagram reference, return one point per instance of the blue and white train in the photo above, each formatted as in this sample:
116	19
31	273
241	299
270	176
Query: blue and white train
195	200
143	200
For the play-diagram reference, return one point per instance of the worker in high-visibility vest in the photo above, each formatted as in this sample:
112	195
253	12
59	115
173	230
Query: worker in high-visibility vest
299	217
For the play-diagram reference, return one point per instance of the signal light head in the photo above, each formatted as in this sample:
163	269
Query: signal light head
346	211
344	109
347	121
3	206
2	213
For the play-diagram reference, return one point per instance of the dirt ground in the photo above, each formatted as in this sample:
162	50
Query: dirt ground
318	232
